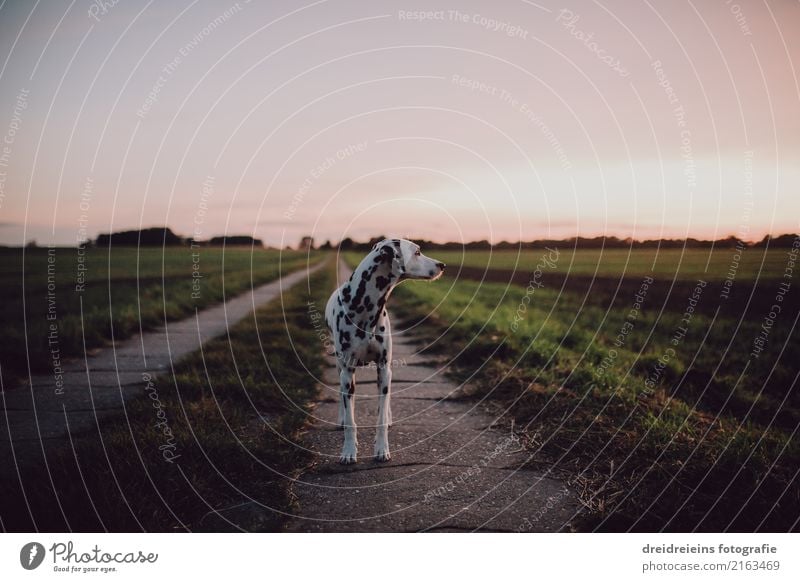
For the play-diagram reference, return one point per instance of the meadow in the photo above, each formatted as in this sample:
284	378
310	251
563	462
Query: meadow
94	294
680	264
665	405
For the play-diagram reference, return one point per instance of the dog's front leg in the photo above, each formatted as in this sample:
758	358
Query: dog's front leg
384	412
340	415
347	380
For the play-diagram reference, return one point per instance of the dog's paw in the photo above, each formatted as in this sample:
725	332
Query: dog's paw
382	454
349	455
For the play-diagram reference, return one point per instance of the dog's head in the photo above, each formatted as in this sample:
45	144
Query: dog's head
407	262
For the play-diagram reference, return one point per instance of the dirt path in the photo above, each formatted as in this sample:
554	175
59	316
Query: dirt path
450	470
42	414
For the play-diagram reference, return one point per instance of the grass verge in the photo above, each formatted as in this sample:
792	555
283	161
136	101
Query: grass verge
85	294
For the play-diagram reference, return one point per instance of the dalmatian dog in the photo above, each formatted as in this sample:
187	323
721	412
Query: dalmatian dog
356	315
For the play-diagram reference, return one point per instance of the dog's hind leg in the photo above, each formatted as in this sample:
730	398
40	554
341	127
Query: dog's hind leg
384	412
347	381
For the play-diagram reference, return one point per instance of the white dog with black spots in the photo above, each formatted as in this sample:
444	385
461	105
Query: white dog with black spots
356	315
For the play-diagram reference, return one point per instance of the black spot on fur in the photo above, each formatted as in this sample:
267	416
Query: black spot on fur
344	340
387	254
362	289
385	389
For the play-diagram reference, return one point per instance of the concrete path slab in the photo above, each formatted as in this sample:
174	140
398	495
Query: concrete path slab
451	469
99	385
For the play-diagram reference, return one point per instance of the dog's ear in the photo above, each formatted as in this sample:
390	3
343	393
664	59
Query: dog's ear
388	253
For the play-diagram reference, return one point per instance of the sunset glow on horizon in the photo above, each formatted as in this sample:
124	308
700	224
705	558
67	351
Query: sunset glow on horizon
446	121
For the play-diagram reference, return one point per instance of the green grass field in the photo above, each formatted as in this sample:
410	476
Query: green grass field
660	420
755	263
235	410
127	287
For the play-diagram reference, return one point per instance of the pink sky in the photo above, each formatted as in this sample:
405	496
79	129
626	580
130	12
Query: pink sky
512	120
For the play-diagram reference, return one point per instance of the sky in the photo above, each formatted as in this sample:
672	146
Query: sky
448	121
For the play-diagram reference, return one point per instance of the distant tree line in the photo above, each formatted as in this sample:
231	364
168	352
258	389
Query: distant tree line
608	242
163	236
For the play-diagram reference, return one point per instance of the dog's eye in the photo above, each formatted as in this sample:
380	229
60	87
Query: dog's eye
417	253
